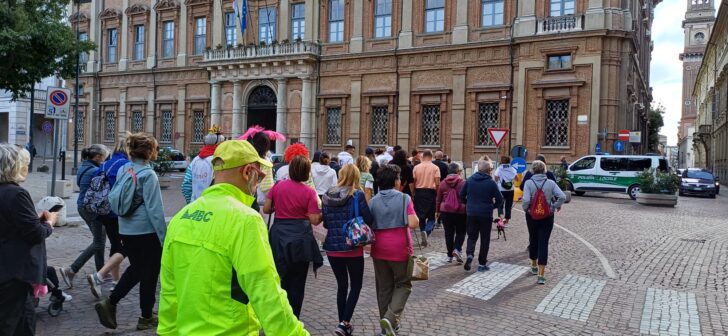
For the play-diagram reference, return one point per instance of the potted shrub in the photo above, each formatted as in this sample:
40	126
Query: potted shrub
657	188
562	179
163	165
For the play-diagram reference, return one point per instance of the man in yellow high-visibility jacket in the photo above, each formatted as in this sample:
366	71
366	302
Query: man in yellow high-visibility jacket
218	276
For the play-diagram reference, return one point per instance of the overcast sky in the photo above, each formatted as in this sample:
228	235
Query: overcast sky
666	68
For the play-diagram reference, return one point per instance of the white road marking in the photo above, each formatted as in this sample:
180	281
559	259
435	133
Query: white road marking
485	285
602	259
437	259
669	312
572	298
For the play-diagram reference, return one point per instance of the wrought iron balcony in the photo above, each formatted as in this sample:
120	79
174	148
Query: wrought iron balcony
258	52
559	24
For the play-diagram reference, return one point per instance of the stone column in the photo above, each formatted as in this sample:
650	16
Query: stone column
215	103
311	16
402	131
460	32
121	120
217	24
182	36
152	36
355	112
283	20
357	40
457	118
405	37
149	127
237	102
307	111
181	119
526	19
123	36
93	36
281	115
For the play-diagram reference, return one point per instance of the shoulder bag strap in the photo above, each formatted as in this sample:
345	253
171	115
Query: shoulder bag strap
406	232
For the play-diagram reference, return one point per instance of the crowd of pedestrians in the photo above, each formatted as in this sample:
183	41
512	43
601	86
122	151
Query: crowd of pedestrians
236	258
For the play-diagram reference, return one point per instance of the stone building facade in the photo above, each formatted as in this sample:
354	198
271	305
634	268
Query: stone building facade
710	140
697	27
562	75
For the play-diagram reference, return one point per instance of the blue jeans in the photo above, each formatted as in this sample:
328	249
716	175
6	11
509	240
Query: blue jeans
97	246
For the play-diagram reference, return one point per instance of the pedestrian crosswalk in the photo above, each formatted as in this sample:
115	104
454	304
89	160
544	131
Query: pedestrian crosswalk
485	285
573	298
669	312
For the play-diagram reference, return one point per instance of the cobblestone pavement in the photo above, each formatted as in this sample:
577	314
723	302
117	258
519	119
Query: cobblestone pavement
670	278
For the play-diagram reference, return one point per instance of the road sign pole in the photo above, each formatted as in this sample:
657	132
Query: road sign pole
55	152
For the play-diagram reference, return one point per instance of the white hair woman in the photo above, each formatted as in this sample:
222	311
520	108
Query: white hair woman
481	196
539	230
22	253
93	156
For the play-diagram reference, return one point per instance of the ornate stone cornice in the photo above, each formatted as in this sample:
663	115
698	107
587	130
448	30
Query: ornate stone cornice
167	5
197	2
78	17
137	9
110	13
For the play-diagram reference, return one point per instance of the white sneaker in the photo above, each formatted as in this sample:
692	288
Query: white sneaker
95	284
67	297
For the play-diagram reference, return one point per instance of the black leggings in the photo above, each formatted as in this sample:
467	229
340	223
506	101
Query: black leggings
454	225
112	231
345	269
294	283
508	202
145	256
539	232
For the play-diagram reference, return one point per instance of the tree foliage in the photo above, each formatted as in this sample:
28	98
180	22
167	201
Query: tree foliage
656	122
36	41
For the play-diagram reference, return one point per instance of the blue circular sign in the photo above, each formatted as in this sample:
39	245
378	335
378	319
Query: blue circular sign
520	164
47	126
619	146
519	151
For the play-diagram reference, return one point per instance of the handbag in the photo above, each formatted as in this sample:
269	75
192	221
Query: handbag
418	266
358	233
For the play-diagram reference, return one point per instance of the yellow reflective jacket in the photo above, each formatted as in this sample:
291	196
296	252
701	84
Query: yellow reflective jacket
211	243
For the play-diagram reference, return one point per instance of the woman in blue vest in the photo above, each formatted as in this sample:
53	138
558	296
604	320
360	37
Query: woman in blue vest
346	262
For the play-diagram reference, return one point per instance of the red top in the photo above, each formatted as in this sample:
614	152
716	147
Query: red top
390	244
293	200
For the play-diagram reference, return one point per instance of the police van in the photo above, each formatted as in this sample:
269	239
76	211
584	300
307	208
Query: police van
611	173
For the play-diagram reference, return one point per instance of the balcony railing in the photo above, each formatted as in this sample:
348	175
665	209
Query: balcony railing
560	24
260	51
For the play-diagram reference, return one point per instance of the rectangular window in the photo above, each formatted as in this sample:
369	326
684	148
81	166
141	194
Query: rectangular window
487	118
383	18
110	131
492	13
267	24
559	62
336	21
557	123
333	125
83	57
562	7
298	21
198	126
434	16
230	31
111	45
380	124
430	125
200	35
137	122
168	39
166	128
138	42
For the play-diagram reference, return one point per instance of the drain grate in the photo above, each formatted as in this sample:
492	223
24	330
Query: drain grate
700	241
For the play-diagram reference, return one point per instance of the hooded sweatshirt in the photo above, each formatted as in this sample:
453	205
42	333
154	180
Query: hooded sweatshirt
481	195
199	174
550	190
452	183
324	178
505	173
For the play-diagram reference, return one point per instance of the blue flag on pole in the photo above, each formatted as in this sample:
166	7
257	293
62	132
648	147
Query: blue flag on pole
241	12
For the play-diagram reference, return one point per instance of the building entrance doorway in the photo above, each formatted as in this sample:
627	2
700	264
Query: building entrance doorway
262	108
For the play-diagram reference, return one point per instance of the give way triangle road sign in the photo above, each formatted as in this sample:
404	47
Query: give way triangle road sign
497	135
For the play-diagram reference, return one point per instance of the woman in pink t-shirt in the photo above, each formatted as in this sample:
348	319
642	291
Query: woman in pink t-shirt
340	205
394	215
291	237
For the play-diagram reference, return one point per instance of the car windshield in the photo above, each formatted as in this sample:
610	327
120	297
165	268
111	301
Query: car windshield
177	156
699	175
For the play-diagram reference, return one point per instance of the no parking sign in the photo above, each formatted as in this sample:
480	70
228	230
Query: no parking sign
57	103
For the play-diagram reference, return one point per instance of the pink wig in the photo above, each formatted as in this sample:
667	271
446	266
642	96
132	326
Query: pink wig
255	129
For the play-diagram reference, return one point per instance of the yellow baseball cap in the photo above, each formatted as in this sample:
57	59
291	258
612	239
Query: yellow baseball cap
236	153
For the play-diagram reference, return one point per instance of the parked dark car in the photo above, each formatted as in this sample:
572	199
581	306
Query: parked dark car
698	182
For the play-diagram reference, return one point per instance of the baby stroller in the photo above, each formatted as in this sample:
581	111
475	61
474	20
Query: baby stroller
57	296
